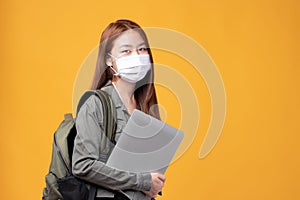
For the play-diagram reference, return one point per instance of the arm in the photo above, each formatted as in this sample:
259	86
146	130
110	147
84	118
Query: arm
85	163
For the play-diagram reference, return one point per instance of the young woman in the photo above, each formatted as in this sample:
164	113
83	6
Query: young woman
125	71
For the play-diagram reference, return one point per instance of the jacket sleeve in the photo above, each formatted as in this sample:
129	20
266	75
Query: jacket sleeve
85	161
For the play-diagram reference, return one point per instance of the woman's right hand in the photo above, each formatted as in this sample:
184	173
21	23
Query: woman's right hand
158	181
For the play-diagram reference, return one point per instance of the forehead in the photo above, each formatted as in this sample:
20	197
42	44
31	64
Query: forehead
128	38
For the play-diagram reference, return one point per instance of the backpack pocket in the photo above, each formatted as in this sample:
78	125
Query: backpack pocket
51	191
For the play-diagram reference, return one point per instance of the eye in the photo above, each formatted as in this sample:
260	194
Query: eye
125	51
143	50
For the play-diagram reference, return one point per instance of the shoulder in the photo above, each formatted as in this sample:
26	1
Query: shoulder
92	107
108	89
91	102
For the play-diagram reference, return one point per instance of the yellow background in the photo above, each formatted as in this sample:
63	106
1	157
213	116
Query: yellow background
255	45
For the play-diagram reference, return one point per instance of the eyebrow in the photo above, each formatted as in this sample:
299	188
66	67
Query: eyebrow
128	45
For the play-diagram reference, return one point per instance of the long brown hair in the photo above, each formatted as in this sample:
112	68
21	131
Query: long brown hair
144	94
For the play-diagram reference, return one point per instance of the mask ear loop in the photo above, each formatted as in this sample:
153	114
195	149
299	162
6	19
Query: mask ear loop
116	73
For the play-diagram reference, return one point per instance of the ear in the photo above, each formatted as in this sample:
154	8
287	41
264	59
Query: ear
109	61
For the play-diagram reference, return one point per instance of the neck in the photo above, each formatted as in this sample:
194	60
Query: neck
126	92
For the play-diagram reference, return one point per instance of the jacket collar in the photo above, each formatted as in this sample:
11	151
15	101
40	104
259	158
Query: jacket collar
112	91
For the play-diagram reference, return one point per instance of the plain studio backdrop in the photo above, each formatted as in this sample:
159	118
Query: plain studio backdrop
255	45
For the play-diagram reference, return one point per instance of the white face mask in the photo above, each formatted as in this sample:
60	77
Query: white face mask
133	68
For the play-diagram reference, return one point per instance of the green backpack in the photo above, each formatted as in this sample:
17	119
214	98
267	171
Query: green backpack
60	183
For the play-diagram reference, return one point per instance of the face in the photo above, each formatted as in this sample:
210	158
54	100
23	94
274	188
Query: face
128	43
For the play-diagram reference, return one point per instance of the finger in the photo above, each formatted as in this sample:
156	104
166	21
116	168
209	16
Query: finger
153	195
161	177
160	186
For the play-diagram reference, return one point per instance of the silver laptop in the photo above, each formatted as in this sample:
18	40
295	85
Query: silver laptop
145	145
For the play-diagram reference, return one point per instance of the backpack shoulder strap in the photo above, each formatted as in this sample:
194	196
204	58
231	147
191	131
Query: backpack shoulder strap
109	117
